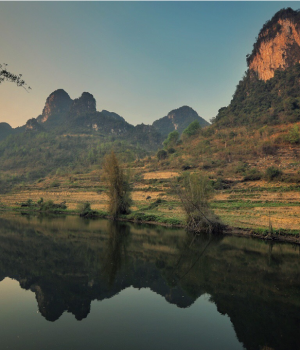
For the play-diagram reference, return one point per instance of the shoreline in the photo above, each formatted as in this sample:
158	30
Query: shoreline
283	237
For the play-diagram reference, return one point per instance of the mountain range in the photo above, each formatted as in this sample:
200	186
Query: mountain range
80	116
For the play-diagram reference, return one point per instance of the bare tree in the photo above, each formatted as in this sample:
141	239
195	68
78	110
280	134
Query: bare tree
194	195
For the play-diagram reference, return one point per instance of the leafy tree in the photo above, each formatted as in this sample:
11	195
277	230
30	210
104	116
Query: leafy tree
171	140
162	154
118	186
192	129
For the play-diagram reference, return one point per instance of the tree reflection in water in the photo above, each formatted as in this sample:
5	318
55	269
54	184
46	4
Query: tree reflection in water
116	254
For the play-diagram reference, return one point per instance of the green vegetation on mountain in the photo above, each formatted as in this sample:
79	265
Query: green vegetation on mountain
261	103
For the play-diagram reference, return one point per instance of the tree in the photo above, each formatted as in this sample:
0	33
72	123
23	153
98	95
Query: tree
194	193
118	186
192	129
172	138
161	154
5	75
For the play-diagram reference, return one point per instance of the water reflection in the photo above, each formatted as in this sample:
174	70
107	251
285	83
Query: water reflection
70	262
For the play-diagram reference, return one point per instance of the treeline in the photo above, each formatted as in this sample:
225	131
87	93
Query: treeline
33	155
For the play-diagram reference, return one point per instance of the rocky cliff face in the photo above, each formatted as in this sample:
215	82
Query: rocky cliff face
178	119
33	125
82	105
57	104
277	46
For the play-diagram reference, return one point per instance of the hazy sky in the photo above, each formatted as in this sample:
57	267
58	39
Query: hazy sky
138	59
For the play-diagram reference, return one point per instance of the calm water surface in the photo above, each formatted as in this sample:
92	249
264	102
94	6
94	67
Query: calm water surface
68	283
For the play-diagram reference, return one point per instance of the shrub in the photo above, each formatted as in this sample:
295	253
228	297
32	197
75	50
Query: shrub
241	168
171	150
253	175
220	184
85	210
293	136
162	154
118	186
272	173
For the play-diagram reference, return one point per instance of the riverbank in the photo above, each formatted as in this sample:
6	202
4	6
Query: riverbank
262	234
267	210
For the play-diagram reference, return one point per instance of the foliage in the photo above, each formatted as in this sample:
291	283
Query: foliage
293	136
194	194
272	173
162	154
252	175
42	206
171	140
47	153
193	129
259	102
118	186
85	210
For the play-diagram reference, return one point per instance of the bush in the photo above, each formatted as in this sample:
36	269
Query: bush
252	175
85	210
241	168
51	206
272	173
171	150
293	136
161	154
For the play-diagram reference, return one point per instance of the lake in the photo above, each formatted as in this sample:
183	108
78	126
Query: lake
69	283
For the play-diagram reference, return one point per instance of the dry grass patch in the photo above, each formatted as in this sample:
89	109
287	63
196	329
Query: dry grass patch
160	175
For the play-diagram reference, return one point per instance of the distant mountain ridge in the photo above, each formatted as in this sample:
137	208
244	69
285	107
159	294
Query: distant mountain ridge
63	115
178	119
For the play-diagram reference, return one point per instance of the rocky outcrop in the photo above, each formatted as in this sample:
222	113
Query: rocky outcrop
83	105
112	115
57	106
178	119
277	46
33	126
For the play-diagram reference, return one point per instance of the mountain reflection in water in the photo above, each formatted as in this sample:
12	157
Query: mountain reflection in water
69	262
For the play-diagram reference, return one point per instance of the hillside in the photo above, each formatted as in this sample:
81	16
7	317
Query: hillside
269	90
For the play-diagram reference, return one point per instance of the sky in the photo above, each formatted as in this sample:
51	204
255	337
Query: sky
138	59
